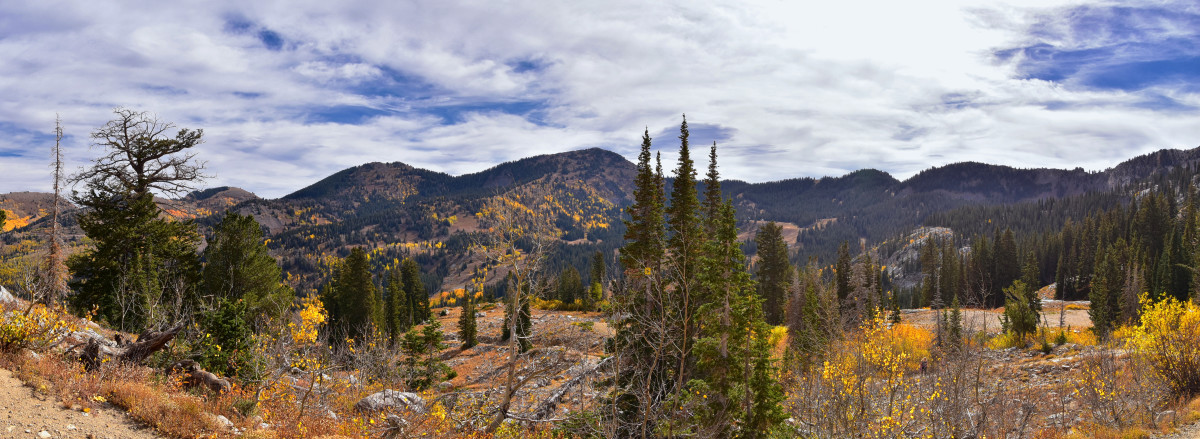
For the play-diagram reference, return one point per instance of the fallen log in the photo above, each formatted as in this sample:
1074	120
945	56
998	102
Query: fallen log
198	377
98	351
546	408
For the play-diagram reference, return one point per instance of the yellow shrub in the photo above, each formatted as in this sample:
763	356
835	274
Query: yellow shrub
1076	336
1006	340
1166	339
35	328
311	316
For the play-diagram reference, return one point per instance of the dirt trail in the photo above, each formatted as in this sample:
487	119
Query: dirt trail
25	413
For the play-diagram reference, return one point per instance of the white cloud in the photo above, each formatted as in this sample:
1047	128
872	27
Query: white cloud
804	89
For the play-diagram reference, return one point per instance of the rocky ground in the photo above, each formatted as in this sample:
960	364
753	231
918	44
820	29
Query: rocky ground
25	413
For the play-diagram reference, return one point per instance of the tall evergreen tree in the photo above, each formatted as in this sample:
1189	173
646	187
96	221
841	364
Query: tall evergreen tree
685	243
354	292
644	228
239	267
712	193
466	323
397	313
841	273
414	292
774	273
732	350
1008	264
1031	278
596	289
570	286
143	269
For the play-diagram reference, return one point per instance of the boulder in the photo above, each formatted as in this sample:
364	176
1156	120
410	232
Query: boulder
391	399
6	297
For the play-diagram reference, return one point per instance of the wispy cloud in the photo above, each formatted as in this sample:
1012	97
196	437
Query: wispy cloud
289	92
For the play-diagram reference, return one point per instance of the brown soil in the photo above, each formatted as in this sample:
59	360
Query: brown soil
24	413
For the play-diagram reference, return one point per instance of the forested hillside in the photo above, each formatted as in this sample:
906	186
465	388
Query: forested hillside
580	295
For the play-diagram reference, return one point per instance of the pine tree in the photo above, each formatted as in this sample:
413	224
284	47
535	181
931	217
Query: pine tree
1018	314
421	363
774	273
841	273
355	294
1106	287
1030	276
398	316
570	286
466	323
239	267
644	228
225	348
712	193
143	269
732	350
414	292
1008	268
596	290
685	243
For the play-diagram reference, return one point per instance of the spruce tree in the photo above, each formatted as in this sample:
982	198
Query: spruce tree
841	273
712	193
143	269
774	272
733	353
414	292
466	323
239	267
570	286
1030	277
1008	268
596	289
685	244
644	228
398	316
137	260
355	293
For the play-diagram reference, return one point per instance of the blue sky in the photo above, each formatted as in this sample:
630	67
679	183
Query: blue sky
290	92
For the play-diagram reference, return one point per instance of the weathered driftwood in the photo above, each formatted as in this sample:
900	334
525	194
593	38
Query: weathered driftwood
97	351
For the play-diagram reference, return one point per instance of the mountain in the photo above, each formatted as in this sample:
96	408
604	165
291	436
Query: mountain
398	210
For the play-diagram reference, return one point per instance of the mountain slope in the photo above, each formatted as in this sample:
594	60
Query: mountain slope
401	211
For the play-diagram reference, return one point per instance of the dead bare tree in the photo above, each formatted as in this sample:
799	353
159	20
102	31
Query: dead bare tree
55	273
519	232
141	157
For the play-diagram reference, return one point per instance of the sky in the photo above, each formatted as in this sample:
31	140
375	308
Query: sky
289	92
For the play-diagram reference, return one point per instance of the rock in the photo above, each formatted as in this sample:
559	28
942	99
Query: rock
6	297
43	434
225	422
391	399
1163	415
445	385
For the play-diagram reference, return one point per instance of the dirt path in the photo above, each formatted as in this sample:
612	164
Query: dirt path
25	413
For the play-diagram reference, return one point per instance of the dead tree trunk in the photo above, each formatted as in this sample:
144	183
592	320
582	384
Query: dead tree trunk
546	408
148	342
